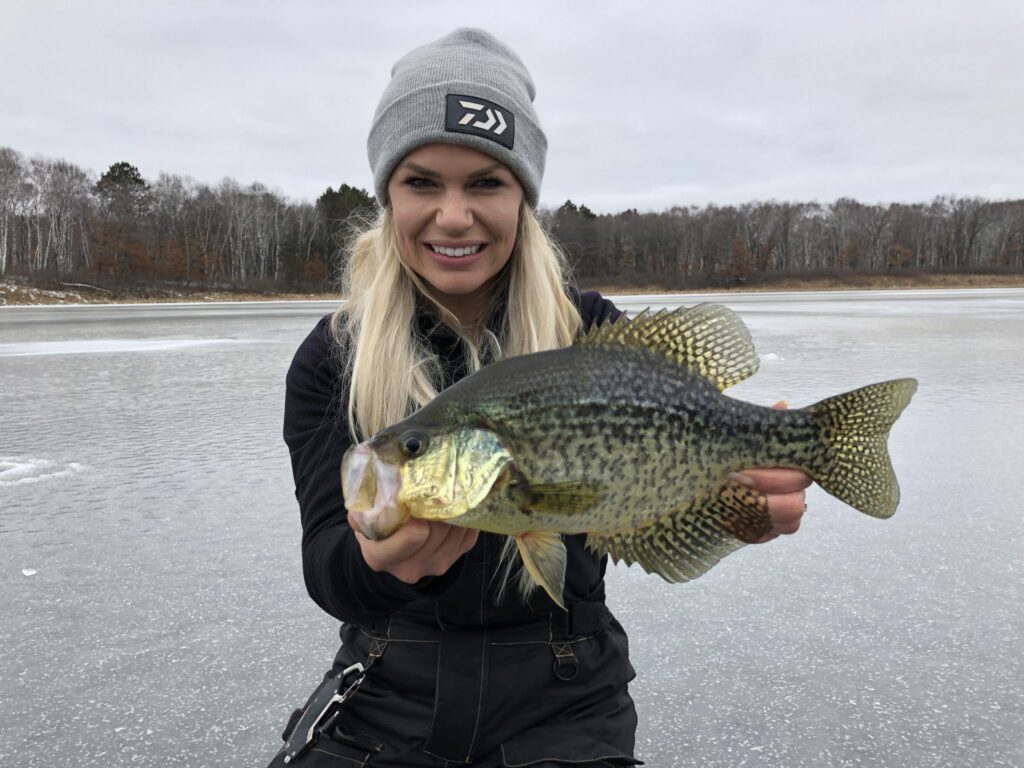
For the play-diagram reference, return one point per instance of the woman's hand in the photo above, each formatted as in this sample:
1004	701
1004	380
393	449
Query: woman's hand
419	548
785	489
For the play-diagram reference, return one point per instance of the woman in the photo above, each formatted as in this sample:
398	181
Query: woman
456	273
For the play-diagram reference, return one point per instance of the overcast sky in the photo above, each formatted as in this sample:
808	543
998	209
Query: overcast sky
645	105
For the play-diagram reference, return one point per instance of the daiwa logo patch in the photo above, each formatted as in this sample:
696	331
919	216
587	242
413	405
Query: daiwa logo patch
480	117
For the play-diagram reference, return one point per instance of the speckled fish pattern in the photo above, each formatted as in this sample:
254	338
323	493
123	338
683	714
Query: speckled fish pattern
628	437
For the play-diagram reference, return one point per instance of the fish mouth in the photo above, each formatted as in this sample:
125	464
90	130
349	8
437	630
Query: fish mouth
370	488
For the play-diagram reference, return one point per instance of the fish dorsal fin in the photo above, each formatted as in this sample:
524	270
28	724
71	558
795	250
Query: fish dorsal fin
709	339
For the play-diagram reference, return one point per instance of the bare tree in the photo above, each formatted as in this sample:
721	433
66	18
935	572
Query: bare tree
14	194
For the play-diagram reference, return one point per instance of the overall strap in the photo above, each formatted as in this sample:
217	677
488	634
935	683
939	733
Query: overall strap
458	703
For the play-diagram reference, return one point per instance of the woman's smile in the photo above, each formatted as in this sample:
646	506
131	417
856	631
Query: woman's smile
459	255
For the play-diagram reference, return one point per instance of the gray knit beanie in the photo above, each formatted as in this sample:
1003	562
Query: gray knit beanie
466	88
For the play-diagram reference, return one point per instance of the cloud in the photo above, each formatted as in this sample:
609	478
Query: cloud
645	105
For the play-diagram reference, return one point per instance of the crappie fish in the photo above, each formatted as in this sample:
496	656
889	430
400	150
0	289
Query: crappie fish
627	437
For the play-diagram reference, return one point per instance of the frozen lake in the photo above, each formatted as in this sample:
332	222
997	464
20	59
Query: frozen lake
151	589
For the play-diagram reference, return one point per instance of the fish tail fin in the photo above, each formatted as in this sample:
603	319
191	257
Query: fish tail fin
853	464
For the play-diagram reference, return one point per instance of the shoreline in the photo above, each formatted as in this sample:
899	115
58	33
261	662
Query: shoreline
17	294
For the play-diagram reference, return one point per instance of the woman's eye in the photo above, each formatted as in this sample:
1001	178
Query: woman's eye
490	183
418	182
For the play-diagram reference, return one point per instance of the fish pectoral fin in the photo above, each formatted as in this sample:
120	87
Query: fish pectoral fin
567	498
543	555
685	543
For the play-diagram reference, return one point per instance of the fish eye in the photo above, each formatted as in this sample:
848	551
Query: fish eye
412	443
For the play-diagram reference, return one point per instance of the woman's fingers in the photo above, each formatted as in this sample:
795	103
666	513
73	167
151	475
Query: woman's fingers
418	548
403	544
444	545
785	490
786	510
774	480
452	545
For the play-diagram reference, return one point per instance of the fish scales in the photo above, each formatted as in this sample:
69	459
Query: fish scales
601	415
626	436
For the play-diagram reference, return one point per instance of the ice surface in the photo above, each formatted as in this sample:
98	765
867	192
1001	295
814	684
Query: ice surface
94	346
16	470
169	600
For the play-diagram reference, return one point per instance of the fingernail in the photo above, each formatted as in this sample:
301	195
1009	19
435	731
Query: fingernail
741	478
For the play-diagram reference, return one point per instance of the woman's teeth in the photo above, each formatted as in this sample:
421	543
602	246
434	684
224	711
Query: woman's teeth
456	252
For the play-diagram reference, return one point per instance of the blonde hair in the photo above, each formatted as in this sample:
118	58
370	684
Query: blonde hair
390	369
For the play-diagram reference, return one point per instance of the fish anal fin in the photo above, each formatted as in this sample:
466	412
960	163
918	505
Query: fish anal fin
687	543
544	556
741	511
710	340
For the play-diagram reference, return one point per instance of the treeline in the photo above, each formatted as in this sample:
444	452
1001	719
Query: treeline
713	244
124	233
127	234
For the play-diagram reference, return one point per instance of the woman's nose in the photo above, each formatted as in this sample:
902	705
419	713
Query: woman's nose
454	213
